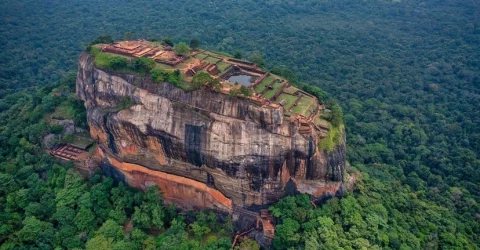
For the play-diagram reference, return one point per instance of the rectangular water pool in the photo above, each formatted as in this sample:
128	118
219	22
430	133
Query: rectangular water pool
245	80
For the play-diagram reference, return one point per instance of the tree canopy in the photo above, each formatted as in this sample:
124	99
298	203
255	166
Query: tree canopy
405	74
194	43
182	49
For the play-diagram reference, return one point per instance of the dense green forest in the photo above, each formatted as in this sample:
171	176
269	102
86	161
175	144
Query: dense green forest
406	73
48	206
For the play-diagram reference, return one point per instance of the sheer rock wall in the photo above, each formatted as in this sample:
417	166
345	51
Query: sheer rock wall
204	149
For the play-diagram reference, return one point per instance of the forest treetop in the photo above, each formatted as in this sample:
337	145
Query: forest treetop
405	73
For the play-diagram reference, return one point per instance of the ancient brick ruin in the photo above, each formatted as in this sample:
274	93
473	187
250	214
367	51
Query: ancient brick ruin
142	48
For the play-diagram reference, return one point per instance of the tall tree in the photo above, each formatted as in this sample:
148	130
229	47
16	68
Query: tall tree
257	58
182	49
194	43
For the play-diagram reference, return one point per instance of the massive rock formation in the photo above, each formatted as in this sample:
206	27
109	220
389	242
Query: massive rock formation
203	148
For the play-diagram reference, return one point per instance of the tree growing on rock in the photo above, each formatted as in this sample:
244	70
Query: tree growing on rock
215	84
245	91
234	92
143	65
200	79
182	49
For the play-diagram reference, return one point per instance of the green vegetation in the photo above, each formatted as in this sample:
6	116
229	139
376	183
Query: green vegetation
194	43
182	49
317	92
201	79
319	121
247	244
217	53
67	139
120	63
289	100
405	74
234	92
285	72
164	67
168	41
81	141
215	84
174	77
304	106
368	219
242	91
336	126
261	86
105	39
334	137
184	63
257	58
222	66
108	61
245	91
201	56
45	205
276	86
64	111
237	55
158	72
143	65
336	114
128	35
56	129
126	103
292	90
211	59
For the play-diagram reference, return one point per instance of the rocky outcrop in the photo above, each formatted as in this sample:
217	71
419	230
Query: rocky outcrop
203	148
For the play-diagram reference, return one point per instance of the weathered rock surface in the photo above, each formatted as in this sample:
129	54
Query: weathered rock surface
203	148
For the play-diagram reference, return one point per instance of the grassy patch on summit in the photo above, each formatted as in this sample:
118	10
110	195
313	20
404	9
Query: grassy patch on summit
289	99
261	86
304	106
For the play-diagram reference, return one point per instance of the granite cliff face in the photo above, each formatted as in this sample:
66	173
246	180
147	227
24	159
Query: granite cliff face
203	148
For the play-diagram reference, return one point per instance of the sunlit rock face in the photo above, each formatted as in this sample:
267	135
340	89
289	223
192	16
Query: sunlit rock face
202	148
